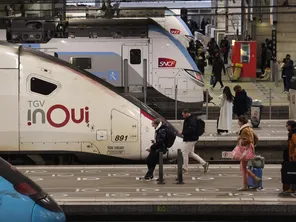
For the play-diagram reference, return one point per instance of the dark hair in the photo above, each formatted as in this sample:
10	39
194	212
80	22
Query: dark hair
291	123
185	111
243	119
227	92
237	88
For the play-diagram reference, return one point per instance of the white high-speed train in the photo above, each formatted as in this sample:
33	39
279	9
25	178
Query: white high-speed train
50	114
138	56
164	17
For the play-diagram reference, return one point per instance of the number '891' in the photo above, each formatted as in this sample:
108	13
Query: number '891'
121	137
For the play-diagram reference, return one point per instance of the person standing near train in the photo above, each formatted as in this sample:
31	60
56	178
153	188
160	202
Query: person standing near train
158	145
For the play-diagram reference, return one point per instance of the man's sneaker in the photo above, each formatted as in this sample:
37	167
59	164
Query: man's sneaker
243	188
184	171
206	167
145	178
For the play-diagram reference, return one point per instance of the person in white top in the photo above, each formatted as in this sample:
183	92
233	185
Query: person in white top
226	110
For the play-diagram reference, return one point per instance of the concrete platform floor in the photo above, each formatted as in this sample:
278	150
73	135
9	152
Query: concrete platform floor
102	184
267	130
256	90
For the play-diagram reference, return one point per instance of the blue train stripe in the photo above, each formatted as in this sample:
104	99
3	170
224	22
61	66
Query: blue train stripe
185	25
87	53
33	46
171	13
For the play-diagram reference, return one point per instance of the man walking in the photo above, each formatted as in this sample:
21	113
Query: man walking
190	137
218	66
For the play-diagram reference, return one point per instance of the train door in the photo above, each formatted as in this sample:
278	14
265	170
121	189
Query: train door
124	135
135	68
9	97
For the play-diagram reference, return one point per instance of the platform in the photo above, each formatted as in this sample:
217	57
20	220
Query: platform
272	139
102	190
256	90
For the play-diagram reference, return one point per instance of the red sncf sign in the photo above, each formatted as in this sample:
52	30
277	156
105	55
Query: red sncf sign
165	62
175	31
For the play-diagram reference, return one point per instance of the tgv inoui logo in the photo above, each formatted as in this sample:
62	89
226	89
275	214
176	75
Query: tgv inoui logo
166	62
37	111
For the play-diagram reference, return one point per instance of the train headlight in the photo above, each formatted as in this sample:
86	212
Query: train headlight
196	75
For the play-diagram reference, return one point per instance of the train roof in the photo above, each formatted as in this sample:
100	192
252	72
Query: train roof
113	21
37	31
53	59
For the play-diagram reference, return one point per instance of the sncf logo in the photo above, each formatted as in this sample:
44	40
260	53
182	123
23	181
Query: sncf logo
175	31
165	62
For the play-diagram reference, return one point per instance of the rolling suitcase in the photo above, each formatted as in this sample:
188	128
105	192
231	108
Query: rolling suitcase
251	182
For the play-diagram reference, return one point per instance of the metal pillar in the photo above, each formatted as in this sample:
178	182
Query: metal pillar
160	179
176	102
242	19
180	164
226	16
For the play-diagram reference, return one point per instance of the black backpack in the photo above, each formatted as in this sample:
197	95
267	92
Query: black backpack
200	126
170	136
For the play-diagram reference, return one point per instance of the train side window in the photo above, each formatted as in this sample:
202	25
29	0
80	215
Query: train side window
42	87
82	63
135	56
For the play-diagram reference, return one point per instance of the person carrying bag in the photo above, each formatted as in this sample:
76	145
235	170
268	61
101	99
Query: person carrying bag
245	151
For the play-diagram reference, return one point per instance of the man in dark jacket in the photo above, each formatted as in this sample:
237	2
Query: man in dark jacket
158	144
225	47
240	102
263	57
190	138
218	66
289	71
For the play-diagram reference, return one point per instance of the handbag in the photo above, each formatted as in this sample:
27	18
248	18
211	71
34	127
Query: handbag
243	152
257	162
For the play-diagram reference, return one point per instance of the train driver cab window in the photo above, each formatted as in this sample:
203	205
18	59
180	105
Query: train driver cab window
42	87
135	56
82	63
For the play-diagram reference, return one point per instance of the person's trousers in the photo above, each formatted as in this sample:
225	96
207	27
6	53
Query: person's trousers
218	80
225	55
152	160
288	82
285	83
246	172
188	151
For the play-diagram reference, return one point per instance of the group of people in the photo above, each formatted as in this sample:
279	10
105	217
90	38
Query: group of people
229	105
159	144
197	52
266	55
215	59
246	137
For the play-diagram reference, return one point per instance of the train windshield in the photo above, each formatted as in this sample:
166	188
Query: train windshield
21	183
147	109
